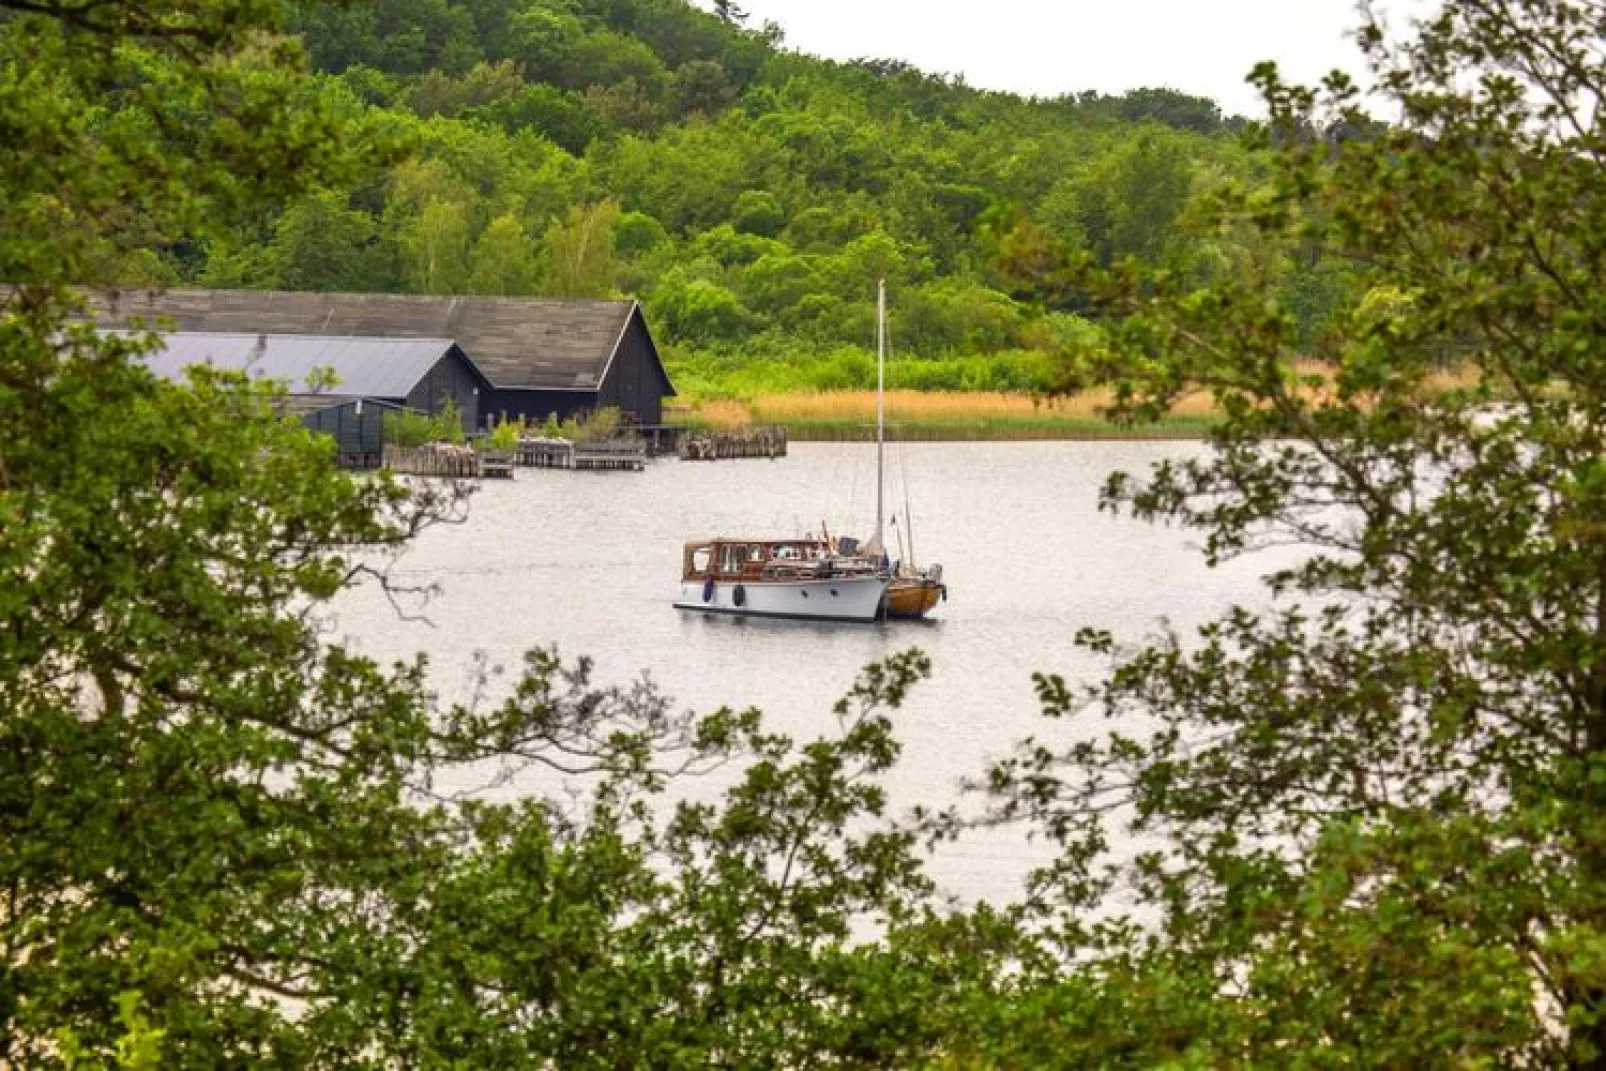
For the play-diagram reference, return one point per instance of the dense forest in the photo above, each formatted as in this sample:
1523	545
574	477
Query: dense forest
749	195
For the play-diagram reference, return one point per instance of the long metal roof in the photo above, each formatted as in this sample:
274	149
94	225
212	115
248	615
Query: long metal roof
365	367
515	342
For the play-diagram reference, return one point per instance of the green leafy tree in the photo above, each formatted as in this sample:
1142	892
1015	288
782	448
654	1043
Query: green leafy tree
321	243
545	33
758	212
577	252
626	105
701	87
503	260
605	58
435	247
558	115
697	308
55	65
1129	203
776	282
956	315
1375	808
404	36
637	233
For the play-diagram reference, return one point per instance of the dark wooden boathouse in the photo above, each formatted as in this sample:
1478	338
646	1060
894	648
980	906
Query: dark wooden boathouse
525	357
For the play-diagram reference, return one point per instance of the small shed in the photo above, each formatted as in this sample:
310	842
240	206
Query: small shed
357	426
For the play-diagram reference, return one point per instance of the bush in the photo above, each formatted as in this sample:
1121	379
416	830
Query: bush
597	426
410	428
504	436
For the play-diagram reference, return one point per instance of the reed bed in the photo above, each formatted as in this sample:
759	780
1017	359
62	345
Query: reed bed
920	407
943	415
978	415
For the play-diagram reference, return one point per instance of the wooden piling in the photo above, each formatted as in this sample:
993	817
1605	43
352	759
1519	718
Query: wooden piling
762	440
617	455
434	459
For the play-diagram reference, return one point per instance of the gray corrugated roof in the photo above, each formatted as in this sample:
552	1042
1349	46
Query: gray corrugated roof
515	342
367	367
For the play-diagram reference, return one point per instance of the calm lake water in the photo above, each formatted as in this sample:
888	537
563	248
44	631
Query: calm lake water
590	561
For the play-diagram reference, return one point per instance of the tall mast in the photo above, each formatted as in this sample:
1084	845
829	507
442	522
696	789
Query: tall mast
876	544
908	518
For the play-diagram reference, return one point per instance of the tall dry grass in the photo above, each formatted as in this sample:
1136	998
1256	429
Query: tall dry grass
920	407
720	414
977	414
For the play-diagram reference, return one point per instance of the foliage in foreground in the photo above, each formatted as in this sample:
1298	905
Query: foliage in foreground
1376	808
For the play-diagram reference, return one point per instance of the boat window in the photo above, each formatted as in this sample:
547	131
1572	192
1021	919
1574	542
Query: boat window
755	554
699	559
730	559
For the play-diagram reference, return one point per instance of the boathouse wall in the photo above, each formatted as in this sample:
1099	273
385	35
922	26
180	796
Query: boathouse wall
456	378
636	381
534	406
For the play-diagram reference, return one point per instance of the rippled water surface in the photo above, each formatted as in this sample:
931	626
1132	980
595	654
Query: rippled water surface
590	561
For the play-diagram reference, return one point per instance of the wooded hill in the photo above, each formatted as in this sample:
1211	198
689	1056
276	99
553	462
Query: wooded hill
749	195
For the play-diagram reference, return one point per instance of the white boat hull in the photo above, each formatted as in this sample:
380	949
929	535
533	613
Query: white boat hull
853	598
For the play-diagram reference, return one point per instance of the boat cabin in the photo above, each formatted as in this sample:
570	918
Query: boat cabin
759	560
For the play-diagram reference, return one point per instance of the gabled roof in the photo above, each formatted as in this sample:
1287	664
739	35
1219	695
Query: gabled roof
363	367
516	342
300	405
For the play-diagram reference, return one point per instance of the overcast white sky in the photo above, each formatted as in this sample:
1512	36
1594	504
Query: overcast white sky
1050	47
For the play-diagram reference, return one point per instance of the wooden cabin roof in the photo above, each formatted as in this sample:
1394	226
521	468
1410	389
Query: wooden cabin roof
517	343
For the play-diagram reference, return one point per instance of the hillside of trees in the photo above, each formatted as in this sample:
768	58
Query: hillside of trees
749	195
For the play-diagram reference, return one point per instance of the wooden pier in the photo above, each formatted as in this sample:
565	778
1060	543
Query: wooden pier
764	440
618	455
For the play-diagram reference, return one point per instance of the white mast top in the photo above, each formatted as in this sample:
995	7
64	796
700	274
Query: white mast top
876	545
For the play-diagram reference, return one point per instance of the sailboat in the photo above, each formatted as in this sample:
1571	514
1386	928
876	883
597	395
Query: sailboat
911	590
819	578
808	578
